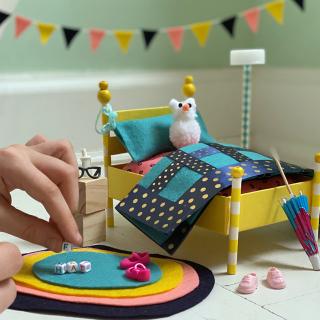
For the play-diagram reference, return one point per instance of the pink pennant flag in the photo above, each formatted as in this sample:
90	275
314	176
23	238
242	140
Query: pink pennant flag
252	17
22	24
96	36
175	35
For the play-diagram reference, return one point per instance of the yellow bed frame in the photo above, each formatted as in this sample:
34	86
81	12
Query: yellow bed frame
258	208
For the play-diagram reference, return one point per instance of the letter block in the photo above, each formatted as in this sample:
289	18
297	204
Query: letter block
60	268
72	266
85	266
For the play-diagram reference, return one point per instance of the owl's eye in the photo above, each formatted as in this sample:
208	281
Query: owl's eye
180	105
190	105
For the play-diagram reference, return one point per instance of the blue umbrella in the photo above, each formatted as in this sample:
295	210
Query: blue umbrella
296	209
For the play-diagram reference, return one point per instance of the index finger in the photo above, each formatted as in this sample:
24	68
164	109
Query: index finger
37	139
61	149
42	189
61	174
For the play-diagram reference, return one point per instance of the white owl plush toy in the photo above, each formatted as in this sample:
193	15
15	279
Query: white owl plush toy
185	129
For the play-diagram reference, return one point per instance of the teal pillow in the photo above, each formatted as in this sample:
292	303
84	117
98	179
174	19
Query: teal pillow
144	138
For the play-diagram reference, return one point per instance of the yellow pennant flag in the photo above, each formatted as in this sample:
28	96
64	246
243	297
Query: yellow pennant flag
276	10
124	39
201	31
45	30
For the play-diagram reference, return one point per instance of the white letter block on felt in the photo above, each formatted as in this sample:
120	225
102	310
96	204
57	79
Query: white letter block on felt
72	266
66	246
92	227
92	195
60	268
247	57
85	266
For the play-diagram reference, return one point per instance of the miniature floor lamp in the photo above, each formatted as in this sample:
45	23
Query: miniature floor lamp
246	58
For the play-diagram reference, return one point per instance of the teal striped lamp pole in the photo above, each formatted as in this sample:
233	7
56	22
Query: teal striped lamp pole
246	106
246	58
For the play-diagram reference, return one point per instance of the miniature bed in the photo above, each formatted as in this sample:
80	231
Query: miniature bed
258	208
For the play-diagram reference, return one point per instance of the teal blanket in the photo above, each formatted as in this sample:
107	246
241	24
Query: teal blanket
169	200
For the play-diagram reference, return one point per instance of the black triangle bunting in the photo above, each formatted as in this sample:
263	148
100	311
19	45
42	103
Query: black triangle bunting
69	35
3	16
229	24
300	3
148	36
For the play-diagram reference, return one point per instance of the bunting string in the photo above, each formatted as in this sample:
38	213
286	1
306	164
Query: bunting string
201	30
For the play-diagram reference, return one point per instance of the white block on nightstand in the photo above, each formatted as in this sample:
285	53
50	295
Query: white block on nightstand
247	57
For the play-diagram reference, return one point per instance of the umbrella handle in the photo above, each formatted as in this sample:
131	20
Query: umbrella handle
275	157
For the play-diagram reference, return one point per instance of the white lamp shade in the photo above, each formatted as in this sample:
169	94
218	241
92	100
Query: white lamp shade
247	57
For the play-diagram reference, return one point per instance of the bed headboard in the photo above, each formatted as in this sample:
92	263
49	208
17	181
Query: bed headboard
111	143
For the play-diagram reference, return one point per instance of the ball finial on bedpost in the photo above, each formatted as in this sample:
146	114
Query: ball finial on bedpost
237	172
189	88
104	95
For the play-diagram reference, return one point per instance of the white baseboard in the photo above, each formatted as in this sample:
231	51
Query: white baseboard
64	105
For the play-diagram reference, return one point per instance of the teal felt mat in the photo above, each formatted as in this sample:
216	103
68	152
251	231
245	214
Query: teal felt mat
105	273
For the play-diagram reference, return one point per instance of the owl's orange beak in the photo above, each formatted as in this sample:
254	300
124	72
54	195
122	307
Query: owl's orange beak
185	107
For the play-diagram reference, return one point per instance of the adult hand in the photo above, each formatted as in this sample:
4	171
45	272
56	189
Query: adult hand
48	172
10	263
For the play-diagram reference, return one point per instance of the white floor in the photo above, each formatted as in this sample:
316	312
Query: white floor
258	250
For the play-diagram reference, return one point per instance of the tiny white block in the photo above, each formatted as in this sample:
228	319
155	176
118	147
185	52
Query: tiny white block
60	268
66	246
72	266
247	57
85	266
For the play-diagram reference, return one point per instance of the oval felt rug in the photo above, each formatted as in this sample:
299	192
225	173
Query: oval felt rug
27	302
172	276
189	283
105	273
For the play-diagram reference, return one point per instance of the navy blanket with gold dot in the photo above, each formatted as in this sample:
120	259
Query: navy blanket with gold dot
168	201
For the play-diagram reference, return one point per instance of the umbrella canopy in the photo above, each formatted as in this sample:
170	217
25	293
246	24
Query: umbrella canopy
296	210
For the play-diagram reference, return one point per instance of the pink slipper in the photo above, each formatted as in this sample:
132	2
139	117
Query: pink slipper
138	272
136	257
275	279
248	284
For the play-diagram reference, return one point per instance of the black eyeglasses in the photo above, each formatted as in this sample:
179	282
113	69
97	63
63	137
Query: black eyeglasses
92	172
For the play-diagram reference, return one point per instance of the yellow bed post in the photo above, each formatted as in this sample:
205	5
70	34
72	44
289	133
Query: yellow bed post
237	174
104	96
315	203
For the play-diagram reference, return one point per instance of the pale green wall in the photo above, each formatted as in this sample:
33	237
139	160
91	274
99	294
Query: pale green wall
296	43
27	54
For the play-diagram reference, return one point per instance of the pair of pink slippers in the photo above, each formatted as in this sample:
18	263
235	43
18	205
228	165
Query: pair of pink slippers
135	266
249	282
